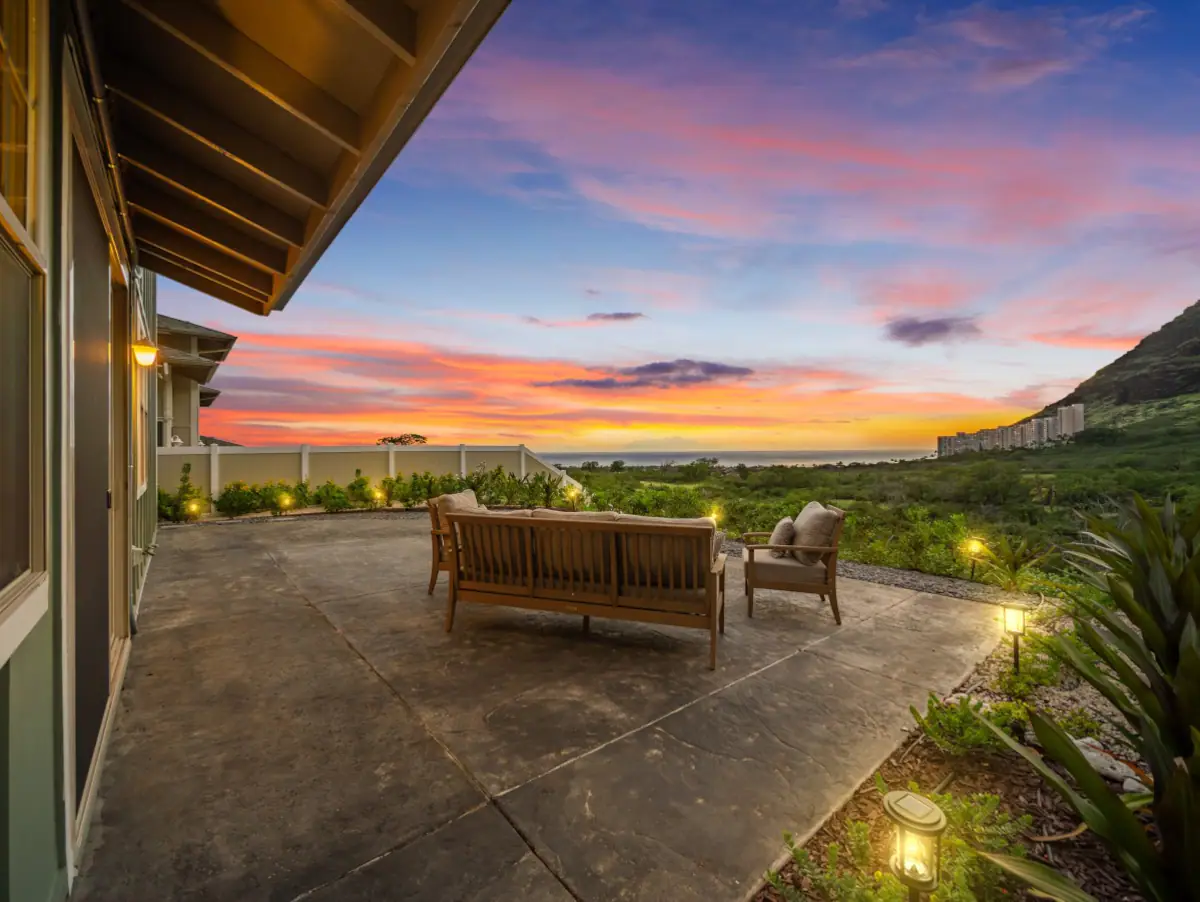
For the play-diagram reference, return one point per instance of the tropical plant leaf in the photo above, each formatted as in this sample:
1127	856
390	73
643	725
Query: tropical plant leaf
1039	876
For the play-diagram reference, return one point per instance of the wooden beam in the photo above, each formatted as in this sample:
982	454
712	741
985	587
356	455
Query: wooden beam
213	37
146	250
152	233
178	214
149	93
212	189
211	287
391	22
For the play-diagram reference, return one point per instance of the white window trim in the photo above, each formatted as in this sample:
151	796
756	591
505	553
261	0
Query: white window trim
18	618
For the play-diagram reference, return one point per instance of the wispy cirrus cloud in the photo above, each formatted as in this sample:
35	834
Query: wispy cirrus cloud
591	320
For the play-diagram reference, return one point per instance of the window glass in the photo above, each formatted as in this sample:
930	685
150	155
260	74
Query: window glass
17	304
14	106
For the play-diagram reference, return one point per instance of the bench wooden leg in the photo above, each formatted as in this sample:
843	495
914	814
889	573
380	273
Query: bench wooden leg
433	578
837	618
587	624
749	600
712	647
451	601
721	620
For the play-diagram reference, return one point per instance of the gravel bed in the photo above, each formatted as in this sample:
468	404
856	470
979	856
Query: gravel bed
904	579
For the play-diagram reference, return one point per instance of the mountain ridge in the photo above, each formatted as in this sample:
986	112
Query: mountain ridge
1165	364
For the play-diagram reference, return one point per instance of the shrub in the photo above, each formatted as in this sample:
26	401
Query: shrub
237	499
954	728
1081	724
185	503
396	490
332	497
361	493
1041	665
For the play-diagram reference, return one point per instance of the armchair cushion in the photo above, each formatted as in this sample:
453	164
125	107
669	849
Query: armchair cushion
463	502
815	525
788	570
783	534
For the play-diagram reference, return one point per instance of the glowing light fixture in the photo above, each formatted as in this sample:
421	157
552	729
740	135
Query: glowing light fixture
378	494
285	500
145	354
193	507
1014	625
715	514
916	855
974	549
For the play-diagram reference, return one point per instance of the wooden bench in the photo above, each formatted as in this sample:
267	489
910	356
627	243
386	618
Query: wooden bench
595	564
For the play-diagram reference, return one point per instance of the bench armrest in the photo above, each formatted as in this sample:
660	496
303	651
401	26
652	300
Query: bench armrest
718	565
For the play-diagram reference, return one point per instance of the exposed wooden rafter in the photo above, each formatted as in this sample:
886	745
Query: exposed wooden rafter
172	269
148	92
177	213
204	185
222	44
391	22
155	234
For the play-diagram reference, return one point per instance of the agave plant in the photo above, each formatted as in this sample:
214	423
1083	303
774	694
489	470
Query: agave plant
1148	563
1009	566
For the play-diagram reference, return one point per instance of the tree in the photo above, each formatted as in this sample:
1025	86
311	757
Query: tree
617	466
590	465
406	438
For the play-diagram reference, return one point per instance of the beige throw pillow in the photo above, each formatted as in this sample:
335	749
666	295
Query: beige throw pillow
783	534
463	502
814	526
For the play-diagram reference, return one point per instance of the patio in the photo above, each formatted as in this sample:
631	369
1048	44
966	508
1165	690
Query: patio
296	724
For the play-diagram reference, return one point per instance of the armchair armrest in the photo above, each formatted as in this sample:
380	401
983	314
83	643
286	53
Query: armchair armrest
718	565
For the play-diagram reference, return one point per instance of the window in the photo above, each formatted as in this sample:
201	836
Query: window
15	106
18	306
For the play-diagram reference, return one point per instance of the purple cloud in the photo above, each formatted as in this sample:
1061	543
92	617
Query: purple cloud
660	374
620	317
912	331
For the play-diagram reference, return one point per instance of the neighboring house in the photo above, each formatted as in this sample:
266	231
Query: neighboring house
223	145
188	357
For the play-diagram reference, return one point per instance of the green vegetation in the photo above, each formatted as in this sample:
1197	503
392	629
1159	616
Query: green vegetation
492	487
184	503
1144	657
974	822
916	514
956	728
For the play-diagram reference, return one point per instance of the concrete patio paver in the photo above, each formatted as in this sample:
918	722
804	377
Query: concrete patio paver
296	724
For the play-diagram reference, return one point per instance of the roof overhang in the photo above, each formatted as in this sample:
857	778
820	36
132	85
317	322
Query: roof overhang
247	132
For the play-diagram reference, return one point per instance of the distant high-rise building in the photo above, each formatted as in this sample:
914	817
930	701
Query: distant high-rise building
1070	420
1033	433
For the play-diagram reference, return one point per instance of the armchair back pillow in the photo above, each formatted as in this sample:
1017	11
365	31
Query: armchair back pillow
814	525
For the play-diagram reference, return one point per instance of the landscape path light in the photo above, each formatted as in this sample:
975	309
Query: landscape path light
145	354
1014	625
916	855
573	496
715	514
973	548
193	507
285	500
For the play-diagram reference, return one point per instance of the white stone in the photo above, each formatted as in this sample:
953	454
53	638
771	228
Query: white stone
1132	785
1105	764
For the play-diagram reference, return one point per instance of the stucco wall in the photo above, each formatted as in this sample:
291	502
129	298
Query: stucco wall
183	410
340	465
437	461
252	468
510	460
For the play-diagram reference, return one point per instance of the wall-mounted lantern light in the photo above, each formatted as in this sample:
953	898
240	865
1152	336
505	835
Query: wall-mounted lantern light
916	855
145	354
1014	625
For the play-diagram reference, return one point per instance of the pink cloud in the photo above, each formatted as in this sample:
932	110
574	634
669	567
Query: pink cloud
1086	338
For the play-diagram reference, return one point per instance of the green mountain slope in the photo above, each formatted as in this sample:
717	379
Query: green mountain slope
1152	379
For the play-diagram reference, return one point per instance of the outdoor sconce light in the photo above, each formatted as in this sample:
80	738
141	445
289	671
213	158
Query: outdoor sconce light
916	859
145	354
973	549
1014	625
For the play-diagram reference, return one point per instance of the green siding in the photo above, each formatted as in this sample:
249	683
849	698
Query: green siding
31	809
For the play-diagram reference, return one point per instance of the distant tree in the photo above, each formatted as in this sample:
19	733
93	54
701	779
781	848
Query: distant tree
699	469
743	472
406	438
1099	435
590	465
617	466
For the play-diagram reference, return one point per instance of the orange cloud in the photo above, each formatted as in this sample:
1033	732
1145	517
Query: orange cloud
1085	338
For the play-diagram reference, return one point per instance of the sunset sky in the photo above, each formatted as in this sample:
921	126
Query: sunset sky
842	224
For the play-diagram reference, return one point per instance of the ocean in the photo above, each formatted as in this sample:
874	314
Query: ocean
733	458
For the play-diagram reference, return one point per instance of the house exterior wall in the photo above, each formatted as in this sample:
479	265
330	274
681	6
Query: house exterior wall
184	411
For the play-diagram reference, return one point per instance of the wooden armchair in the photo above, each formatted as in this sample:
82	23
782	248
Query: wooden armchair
439	533
764	571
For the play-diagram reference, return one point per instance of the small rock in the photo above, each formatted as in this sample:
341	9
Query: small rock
1104	763
1132	785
